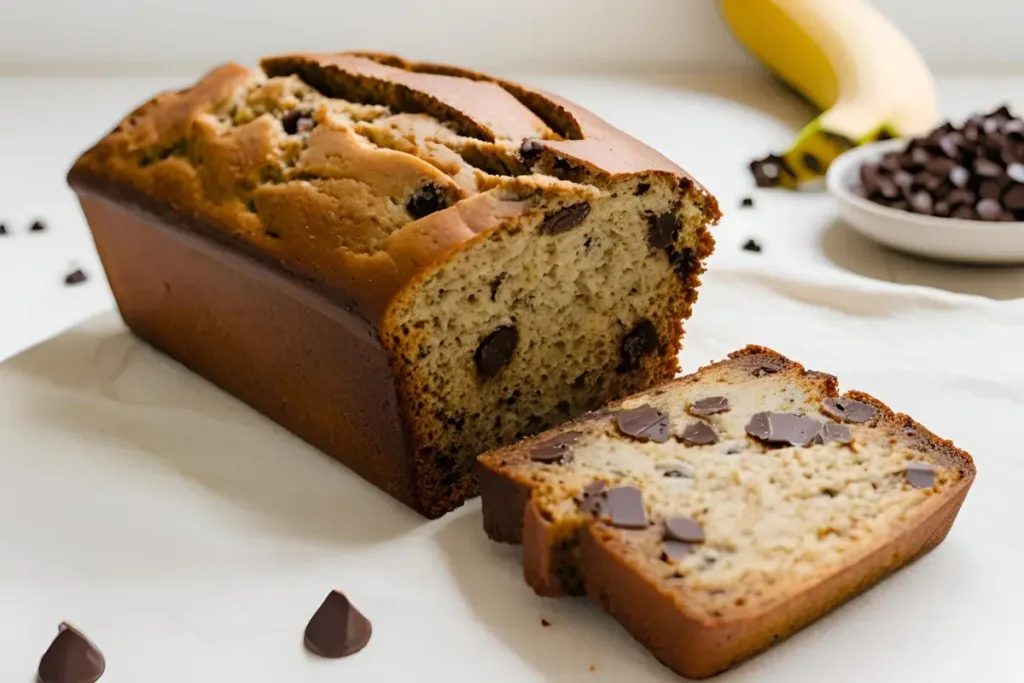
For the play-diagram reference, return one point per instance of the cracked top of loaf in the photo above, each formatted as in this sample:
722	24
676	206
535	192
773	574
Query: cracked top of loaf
356	171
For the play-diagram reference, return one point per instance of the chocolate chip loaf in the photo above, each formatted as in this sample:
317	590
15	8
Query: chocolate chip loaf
723	511
404	264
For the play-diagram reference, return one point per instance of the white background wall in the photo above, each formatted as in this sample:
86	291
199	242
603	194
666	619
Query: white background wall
511	35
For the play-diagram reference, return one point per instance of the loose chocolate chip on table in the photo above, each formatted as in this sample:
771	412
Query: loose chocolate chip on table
783	428
684	530
71	658
3	229
989	209
768	171
644	424
709	405
337	629
752	245
564	219
921	475
557	449
591	500
675	551
641	340
833	431
37	226
530	149
663	230
848	409
496	350
545	623
425	201
624	508
75	277
699	434
747	202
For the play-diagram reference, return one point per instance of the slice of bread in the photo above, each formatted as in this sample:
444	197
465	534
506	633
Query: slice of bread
725	510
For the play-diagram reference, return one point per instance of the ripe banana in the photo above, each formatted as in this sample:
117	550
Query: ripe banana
849	61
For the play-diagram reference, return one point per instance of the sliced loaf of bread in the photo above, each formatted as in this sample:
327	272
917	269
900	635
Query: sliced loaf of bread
725	510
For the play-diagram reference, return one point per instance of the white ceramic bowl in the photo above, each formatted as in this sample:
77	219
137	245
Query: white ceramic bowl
947	239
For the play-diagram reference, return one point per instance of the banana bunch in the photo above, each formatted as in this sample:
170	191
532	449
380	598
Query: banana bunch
852	63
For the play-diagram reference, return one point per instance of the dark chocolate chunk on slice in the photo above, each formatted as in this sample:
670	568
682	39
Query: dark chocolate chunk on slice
591	500
75	277
426	200
674	469
663	230
564	219
848	409
624	508
673	551
684	530
557	449
644	424
496	350
921	475
783	428
640	341
699	434
833	431
530	149
767	366
71	658
337	629
709	405
298	121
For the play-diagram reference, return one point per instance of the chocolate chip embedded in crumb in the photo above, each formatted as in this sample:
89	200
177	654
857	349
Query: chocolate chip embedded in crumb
530	149
71	658
37	226
673	551
783	428
752	245
337	629
684	530
699	434
624	508
298	121
564	219
639	342
921	475
75	277
848	409
709	405
683	261
591	500
496	350
747	202
644	424
767	366
663	230
835	432
557	449
674	469
426	200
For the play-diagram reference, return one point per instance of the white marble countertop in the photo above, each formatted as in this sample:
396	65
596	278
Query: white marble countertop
158	513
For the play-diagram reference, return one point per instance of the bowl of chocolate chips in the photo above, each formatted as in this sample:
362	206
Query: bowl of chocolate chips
955	194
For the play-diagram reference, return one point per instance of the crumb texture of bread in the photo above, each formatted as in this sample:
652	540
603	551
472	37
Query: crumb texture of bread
517	259
765	522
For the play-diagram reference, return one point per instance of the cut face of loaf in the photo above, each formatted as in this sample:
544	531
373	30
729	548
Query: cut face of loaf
725	510
492	259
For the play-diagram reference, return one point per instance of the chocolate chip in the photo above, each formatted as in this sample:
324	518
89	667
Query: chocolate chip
530	149
964	213
1013	127
939	166
812	164
674	469
642	188
949	145
1016	171
783	428
640	341
767	366
545	623
337	629
960	196
37	226
989	209
591	500
768	171
71	658
921	475
557	449
833	431
1014	198
496	350
989	189
986	168
426	200
921	202
683	262
663	230
624	508
673	551
699	434
684	530
848	409
644	424
75	277
903	179
3	229
941	209
564	219
747	202
752	245
298	121
709	405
